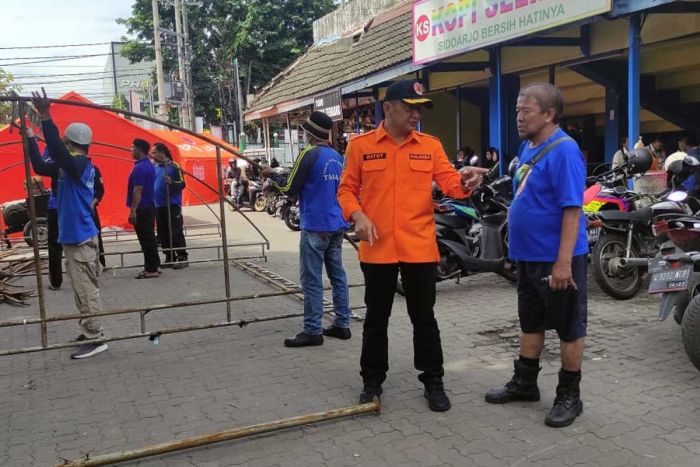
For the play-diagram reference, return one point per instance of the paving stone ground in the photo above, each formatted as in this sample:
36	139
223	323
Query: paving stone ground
639	389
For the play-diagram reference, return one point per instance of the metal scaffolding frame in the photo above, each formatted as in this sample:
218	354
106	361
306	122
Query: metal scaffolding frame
43	320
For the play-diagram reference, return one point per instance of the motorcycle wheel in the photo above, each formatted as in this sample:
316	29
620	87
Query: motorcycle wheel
260	204
271	205
292	220
693	290
690	331
619	286
42	232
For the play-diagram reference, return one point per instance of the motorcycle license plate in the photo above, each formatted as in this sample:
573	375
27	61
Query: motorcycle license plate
666	279
593	234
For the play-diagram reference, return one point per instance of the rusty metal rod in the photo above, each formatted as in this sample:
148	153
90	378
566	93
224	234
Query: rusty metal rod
32	219
158	307
226	435
224	238
240	323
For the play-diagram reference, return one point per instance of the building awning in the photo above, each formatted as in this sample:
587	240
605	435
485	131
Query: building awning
384	43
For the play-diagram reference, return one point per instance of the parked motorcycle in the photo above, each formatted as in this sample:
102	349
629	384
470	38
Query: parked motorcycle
675	273
16	217
469	247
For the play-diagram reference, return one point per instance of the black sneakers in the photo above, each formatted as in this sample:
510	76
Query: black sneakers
338	332
437	399
181	264
88	350
303	340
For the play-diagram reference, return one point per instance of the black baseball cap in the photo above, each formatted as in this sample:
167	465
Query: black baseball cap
408	91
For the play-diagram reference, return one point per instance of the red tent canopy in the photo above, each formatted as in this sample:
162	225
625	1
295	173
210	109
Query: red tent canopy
196	156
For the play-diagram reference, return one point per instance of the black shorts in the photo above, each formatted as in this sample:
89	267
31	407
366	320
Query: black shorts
540	309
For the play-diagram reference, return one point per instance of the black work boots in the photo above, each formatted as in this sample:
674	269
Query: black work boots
567	404
521	387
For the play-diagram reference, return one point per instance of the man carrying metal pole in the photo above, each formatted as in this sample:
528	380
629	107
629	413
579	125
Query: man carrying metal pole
77	231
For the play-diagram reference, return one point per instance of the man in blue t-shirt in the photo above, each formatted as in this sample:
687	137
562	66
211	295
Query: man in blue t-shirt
140	199
315	178
547	235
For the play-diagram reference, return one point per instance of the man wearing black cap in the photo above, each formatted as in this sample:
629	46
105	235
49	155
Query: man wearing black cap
393	167
315	178
140	199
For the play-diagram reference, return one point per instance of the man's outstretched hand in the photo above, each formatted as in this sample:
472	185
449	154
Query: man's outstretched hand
42	103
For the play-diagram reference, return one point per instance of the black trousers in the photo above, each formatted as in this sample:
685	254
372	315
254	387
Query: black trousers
145	231
178	234
418	281
55	249
98	224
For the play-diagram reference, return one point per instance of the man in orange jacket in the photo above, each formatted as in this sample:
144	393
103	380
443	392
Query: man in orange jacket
386	190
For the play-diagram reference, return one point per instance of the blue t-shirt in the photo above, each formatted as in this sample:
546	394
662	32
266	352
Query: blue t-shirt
143	174
175	188
557	181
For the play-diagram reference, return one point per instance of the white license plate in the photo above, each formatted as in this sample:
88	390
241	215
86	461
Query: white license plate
593	234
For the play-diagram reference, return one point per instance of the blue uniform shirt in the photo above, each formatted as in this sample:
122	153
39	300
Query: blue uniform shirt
143	174
175	186
315	178
556	182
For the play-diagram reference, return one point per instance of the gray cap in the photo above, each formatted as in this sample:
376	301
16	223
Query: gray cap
79	133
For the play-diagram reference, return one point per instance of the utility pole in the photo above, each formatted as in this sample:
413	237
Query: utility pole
184	108
159	62
237	80
189	91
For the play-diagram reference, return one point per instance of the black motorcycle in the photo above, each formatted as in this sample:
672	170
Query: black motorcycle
467	248
16	217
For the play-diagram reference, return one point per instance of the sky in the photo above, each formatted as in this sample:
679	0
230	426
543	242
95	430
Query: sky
28	23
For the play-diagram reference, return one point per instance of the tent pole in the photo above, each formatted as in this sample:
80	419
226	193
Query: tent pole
224	238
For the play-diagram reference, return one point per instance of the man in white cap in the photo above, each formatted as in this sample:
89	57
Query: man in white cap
76	227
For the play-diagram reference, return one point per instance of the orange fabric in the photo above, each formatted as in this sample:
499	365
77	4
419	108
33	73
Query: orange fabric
115	163
392	185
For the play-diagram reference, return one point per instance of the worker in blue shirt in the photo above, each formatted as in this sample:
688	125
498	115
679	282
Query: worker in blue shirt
142	209
76	229
315	178
547	232
169	182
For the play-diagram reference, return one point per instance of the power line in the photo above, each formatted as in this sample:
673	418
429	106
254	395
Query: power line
54	56
54	75
26	83
53	46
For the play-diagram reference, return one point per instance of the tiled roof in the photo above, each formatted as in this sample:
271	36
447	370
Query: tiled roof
328	66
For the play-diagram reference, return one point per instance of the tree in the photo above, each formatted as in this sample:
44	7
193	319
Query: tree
6	80
120	102
265	35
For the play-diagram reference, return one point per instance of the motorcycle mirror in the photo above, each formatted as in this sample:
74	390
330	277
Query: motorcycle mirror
691	161
620	190
677	196
474	160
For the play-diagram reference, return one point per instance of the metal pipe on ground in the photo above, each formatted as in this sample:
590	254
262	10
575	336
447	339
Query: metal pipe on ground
226	435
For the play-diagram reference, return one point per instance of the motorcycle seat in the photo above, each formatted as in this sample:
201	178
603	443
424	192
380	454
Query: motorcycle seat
642	216
453	222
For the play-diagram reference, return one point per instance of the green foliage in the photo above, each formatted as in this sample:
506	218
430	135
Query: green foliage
6	85
266	35
120	102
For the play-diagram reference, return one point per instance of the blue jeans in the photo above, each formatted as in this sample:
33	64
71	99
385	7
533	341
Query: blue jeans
317	249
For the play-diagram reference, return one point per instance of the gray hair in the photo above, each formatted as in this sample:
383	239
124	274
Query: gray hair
547	96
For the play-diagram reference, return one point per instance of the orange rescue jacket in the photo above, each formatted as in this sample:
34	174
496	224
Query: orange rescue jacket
392	185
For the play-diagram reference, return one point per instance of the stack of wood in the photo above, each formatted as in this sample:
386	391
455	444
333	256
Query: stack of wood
14	262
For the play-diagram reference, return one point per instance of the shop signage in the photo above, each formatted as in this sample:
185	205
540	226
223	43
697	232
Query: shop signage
330	104
442	28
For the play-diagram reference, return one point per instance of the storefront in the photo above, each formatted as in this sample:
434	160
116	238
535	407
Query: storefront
624	67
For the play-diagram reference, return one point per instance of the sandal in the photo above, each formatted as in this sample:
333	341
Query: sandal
146	275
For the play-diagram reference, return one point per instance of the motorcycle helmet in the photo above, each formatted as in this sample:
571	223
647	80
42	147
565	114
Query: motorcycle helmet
640	161
674	162
513	167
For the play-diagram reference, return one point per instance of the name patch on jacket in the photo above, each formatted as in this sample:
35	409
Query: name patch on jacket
374	156
420	157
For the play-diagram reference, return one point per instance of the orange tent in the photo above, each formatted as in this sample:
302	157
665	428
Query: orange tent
114	163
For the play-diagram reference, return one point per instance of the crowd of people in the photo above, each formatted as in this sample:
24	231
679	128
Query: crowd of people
383	186
154	194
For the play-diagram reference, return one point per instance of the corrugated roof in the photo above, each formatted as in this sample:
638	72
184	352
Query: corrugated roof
325	67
